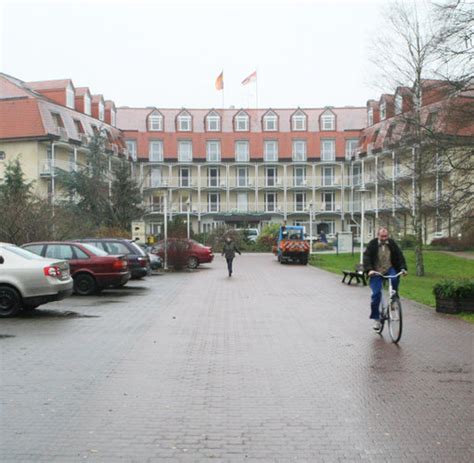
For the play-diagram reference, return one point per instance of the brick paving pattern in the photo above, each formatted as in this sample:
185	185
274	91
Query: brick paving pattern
276	364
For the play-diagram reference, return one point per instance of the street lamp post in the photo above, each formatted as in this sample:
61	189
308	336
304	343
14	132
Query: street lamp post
165	224
362	192
310	208
188	213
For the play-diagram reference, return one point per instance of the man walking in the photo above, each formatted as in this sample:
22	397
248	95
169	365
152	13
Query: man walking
229	251
383	255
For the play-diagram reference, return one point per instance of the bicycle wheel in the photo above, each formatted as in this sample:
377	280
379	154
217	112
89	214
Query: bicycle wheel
395	322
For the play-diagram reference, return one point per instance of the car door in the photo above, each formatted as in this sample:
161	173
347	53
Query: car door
62	252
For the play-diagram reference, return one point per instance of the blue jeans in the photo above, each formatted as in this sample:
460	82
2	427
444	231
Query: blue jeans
376	287
229	264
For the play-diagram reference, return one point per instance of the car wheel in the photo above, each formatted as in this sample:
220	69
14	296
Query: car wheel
10	301
85	284
193	262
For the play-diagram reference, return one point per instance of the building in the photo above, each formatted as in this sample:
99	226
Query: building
48	125
244	167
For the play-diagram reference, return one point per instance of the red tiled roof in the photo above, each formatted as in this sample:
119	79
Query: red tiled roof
21	118
80	91
97	98
49	84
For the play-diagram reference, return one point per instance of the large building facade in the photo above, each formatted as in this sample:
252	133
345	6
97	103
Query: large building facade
238	167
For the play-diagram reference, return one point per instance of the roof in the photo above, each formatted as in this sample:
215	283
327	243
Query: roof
50	84
81	91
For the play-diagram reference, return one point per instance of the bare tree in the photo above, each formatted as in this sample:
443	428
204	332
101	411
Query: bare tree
429	133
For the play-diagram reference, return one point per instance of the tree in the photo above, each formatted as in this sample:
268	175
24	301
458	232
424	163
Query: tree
407	57
125	199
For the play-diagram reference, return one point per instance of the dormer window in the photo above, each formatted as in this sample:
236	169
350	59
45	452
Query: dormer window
270	122
70	96
370	116
213	122
101	110
383	110
298	121
184	122
398	104
87	104
242	122
328	121
58	120
113	117
155	122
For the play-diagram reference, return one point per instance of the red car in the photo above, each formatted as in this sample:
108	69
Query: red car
196	253
92	269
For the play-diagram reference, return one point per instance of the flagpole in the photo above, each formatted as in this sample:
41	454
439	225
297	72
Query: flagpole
256	88
223	90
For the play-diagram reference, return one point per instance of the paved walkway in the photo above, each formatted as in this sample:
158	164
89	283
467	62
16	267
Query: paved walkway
275	364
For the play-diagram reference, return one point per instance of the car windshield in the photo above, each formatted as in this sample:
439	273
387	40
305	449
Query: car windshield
95	250
295	234
23	253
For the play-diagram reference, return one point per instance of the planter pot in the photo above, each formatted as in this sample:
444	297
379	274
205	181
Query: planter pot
454	305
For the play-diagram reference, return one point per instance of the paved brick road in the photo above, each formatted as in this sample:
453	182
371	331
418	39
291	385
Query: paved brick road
275	364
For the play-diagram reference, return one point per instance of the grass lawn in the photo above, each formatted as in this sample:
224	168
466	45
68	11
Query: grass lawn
437	267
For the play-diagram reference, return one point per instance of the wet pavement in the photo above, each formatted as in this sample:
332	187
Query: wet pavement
276	364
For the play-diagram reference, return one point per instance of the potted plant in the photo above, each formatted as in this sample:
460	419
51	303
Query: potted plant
454	296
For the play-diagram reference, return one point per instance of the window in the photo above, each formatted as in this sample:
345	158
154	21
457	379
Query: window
242	201
87	104
70	97
155	151
327	201
132	148
271	176
270	122
242	175
113	117
300	176
213	122
184	122
298	121
431	120
185	151
155	122
328	150
370	117
101	110
327	176
155	177
383	110
79	126
184	177
328	121
398	104
58	120
270	150
79	253
270	202
351	147
300	201
72	162
213	202
213	177
2	155
59	251
242	151
299	150
356	175
213	151
242	122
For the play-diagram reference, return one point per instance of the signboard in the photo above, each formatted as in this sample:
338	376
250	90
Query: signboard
138	231
345	242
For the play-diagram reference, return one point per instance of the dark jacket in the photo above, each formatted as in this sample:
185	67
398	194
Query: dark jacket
396	255
229	250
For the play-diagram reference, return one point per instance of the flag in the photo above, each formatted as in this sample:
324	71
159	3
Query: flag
220	81
251	78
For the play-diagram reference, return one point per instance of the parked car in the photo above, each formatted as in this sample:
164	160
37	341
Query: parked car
156	261
196	253
138	260
92	268
250	233
27	280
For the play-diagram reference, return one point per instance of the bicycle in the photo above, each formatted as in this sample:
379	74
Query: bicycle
391	309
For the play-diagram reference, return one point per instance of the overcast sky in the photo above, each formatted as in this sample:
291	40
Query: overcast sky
169	53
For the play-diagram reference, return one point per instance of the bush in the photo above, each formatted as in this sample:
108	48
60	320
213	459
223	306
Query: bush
454	244
454	289
268	237
322	246
178	254
408	242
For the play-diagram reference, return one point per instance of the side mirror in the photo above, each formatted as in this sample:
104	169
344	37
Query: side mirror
2	260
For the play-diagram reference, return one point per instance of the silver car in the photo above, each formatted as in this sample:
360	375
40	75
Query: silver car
28	280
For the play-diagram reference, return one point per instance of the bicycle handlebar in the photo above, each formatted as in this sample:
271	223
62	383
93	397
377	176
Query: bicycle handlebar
388	276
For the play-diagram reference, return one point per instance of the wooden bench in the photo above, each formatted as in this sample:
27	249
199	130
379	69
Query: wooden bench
358	274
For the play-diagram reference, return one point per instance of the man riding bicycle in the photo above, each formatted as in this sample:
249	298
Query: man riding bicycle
384	256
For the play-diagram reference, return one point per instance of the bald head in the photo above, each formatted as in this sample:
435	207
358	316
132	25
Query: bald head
382	235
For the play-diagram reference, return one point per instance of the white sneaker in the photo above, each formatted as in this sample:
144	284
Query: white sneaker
376	326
